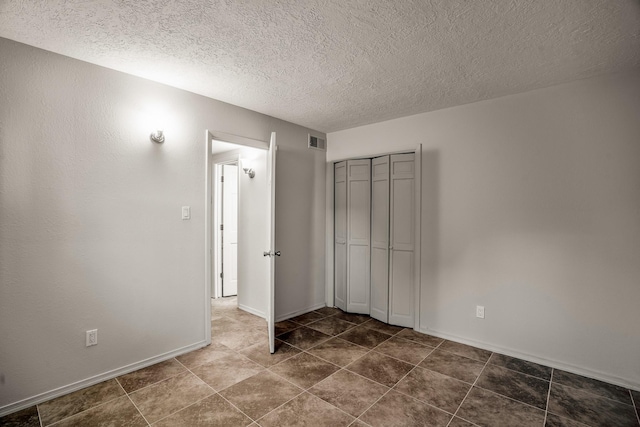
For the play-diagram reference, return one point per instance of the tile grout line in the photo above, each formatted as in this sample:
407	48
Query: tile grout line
39	417
546	408
468	392
635	406
133	403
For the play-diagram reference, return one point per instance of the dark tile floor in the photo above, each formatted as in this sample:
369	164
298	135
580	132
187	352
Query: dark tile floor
337	369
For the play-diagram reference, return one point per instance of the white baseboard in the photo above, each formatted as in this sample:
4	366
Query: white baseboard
622	382
252	311
70	388
299	312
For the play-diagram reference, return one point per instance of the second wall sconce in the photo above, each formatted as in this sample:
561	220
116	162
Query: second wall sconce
246	167
157	136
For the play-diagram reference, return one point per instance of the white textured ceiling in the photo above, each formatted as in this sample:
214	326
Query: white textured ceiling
336	64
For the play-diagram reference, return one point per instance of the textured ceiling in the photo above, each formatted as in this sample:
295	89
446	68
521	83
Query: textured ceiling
336	64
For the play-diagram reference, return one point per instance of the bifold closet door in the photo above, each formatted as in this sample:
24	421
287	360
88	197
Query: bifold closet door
358	235
402	239
340	238
380	238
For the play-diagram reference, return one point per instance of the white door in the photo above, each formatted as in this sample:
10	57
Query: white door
402	239
358	235
229	230
271	239
340	238
380	238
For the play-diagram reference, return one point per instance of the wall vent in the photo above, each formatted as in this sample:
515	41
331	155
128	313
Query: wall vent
317	143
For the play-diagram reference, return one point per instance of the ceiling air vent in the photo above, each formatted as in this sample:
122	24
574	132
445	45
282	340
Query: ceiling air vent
317	143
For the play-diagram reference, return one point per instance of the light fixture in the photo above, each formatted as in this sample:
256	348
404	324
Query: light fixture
249	172
157	136
246	167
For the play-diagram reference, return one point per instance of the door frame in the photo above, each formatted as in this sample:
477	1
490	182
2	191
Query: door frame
211	136
330	227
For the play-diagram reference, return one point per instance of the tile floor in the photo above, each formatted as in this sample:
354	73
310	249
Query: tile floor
337	369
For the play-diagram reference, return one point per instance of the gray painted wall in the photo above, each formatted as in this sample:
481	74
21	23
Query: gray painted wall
90	227
531	208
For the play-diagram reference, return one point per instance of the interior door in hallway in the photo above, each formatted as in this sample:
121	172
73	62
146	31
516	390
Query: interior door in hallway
229	230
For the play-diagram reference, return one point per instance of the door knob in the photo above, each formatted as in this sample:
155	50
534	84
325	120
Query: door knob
266	253
277	253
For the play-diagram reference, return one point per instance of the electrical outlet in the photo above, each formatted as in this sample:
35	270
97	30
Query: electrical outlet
480	311
92	337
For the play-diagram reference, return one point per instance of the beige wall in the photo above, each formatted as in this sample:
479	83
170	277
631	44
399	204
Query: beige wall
531	208
90	220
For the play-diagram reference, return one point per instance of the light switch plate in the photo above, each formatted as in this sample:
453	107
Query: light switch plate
186	212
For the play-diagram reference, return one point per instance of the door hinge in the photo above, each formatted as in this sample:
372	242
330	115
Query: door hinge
222	178
221	274
221	227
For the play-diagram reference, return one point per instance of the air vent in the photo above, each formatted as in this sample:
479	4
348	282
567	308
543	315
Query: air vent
317	143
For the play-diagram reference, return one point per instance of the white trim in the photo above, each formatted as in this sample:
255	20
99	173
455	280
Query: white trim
298	312
252	311
417	255
239	140
70	388
611	379
208	206
329	248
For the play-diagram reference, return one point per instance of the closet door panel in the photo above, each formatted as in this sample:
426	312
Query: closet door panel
380	238
402	239
340	238
358	235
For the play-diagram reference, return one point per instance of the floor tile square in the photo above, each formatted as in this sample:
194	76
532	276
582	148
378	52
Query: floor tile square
352	317
529	368
600	388
208	354
285	326
78	401
466	351
227	371
328	311
379	326
27	417
524	388
304	337
306	410
365	337
556	421
489	409
380	368
459	422
304	370
338	351
396	409
237	340
260	394
331	325
349	392
307	318
419	337
261	354
150	375
408	351
118	412
166	397
453	365
588	408
436	389
212	411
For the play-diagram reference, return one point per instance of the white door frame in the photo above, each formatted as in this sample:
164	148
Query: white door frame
329	249
210	136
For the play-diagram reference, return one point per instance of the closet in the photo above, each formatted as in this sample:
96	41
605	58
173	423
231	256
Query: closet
374	242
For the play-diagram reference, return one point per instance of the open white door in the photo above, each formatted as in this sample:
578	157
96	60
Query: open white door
271	238
229	230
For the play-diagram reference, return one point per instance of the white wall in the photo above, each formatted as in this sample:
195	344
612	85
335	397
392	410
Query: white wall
530	207
90	228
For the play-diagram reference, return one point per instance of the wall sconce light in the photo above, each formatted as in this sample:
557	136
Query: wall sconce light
249	172
246	167
157	136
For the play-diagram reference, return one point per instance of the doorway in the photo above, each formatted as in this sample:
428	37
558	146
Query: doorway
248	166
